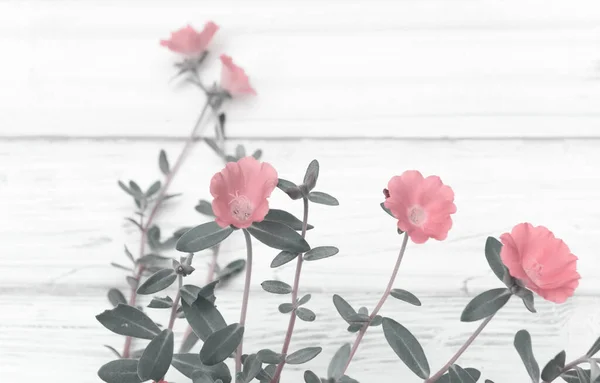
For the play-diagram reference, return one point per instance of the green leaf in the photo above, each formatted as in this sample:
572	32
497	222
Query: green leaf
202	237
116	265
485	304
346	379
303	300
338	362
528	301
359	319
290	189
190	293
135	188
189	341
343	308
203	317
127	252
202	377
240	151
492	254
187	364
232	269
229	158
163	162
322	198
113	350
213	145
554	367
522	343
581	375
355	327
257	154
221	344
457	374
475	374
320	253
266	374
377	321
153	189
252	366
386	209
153	260
405	296
304	355
120	371
278	236
276	287
285	308
407	347
594	349
161	303
269	357
286	218
205	207
115	296
282	258
127	190
157	356
305	314
571	376
128	321
135	223
594	370
311	377
132	282
158	282
311	175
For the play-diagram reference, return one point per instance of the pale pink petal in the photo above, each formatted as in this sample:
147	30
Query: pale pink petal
189	42
234	79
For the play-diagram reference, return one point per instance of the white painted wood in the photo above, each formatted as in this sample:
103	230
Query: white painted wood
336	69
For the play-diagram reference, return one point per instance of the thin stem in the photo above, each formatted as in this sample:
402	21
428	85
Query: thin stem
175	303
460	351
238	354
385	295
292	322
163	192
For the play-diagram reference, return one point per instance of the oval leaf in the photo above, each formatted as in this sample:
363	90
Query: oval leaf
485	304
311	175
202	237
320	253
205	207
303	355
289	188
120	371
344	309
157	356
582	375
203	317
276	287
278	236
161	303
188	364
283	258
522	343
323	199
594	349
311	377
492	254
338	362
285	308
190	293
305	314
304	300
554	367
286	218
128	321
407	347
115	296
158	282
252	366
405	296
269	357
221	344
457	374
163	163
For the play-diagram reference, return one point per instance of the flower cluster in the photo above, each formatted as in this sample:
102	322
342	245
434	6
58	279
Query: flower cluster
529	260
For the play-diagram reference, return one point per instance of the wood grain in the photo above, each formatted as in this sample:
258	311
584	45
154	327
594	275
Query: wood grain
375	69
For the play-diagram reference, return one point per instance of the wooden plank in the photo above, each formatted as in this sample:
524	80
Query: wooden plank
378	69
58	329
63	212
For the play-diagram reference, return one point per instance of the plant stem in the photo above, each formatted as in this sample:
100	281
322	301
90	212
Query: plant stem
460	351
175	303
163	192
238	354
385	295
292	322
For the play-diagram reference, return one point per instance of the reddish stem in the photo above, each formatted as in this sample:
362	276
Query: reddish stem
161	195
292	322
385	295
175	304
239	352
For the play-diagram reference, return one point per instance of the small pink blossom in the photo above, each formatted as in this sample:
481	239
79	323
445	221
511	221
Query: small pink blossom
240	192
233	78
189	42
421	205
541	261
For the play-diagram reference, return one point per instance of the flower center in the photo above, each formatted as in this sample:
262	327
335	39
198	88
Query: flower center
416	215
534	272
241	207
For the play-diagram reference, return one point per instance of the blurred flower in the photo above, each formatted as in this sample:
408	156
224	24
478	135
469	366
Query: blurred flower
189	42
240	192
233	78
421	205
542	262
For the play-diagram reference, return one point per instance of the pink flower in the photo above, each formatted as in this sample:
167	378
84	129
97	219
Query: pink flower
421	205
541	261
189	42
233	78
240	192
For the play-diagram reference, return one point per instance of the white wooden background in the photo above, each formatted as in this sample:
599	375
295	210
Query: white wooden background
500	98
